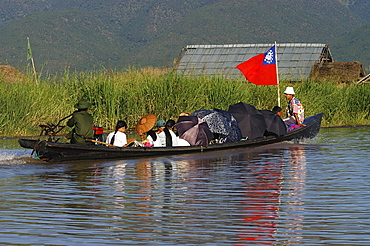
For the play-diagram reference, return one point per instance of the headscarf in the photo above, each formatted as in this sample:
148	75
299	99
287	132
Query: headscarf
120	123
169	124
152	134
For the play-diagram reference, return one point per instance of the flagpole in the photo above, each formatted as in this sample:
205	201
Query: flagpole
29	56
277	75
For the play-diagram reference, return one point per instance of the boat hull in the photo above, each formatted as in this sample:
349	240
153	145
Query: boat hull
52	151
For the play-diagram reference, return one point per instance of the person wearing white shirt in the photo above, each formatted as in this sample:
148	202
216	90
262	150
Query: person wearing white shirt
171	138
118	137
157	138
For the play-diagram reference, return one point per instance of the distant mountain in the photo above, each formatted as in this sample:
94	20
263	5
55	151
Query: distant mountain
64	39
359	7
353	46
238	22
79	34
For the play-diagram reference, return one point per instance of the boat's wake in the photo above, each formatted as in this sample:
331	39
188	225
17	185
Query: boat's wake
15	156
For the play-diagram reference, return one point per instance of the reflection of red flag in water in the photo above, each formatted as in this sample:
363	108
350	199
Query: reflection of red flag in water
261	205
261	69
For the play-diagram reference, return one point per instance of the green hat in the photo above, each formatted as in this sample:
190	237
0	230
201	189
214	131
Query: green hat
160	123
82	104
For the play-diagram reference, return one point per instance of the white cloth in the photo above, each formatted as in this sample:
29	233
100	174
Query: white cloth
161	138
119	140
157	143
175	141
182	142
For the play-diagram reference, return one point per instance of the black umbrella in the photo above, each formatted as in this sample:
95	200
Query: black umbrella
275	125
222	123
194	130
251	122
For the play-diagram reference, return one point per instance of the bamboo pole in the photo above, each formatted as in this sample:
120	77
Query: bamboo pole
129	140
30	56
277	75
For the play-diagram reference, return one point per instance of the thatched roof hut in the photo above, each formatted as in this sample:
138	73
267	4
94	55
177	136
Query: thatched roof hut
9	74
337	71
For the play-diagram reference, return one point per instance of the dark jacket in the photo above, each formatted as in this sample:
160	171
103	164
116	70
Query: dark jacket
83	125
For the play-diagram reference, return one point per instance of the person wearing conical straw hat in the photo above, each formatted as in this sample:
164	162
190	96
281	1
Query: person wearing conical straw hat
145	124
82	122
295	111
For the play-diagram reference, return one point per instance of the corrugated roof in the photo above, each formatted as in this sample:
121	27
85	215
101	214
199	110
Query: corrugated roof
295	60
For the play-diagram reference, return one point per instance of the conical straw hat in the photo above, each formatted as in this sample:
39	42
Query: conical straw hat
146	123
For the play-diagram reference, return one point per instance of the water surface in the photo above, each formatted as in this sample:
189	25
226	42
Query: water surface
313	193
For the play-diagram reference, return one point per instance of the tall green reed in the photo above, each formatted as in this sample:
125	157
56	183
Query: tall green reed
130	94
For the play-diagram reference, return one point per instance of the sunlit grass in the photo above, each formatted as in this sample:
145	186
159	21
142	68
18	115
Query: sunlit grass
132	93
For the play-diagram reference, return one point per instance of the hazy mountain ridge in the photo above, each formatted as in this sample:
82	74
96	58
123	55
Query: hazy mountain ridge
117	34
353	46
360	7
51	40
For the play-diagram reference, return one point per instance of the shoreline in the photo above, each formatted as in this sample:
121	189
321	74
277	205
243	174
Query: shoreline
346	126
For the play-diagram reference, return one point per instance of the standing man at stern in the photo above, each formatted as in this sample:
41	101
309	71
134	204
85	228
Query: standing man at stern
294	110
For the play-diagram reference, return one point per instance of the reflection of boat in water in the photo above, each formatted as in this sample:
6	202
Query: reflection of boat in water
53	151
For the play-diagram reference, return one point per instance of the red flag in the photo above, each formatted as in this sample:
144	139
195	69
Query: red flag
261	69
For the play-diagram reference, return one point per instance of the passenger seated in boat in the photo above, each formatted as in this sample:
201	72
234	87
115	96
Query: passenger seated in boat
277	110
176	140
294	110
171	138
118	137
155	138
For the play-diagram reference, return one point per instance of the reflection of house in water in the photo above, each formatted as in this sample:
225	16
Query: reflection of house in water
295	61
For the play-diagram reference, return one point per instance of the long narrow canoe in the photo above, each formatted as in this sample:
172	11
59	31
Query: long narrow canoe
54	151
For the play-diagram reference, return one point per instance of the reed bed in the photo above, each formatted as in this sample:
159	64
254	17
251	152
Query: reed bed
132	93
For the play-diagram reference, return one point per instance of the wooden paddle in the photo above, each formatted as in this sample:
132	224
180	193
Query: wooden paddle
129	140
96	141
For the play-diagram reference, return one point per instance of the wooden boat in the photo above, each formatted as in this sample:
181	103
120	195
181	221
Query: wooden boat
54	151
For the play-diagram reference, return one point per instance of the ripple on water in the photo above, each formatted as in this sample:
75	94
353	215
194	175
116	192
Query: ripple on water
315	193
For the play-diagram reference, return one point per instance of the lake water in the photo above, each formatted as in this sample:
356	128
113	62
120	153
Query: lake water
313	193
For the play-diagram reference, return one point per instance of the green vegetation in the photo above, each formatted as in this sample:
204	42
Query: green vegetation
128	95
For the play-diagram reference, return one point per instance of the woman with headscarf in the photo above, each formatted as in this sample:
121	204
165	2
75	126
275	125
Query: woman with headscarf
171	138
118	137
156	138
